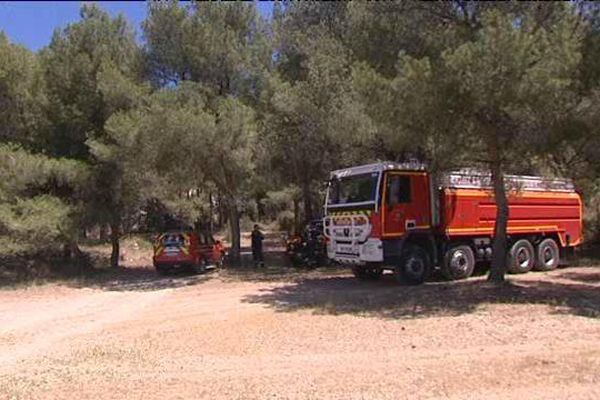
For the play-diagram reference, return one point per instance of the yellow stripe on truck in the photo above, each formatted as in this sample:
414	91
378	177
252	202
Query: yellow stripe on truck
347	213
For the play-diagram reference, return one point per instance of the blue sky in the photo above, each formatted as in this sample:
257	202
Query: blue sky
31	23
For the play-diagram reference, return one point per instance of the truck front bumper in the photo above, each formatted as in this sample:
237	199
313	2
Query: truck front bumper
370	251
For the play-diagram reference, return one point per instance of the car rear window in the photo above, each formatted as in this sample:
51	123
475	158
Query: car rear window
173	239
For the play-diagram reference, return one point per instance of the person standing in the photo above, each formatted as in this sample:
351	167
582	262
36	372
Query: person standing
257	250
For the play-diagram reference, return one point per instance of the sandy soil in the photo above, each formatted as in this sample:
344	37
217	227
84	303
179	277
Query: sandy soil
305	335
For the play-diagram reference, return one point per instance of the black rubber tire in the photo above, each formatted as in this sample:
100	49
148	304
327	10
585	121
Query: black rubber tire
199	268
521	257
547	255
459	263
414	267
360	273
298	260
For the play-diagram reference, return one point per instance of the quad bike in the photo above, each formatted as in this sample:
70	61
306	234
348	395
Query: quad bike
308	250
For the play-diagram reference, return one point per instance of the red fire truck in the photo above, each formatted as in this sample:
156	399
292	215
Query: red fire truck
396	216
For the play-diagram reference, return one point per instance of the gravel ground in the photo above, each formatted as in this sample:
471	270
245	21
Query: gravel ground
312	335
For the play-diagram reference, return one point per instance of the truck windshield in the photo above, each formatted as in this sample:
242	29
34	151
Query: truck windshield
353	189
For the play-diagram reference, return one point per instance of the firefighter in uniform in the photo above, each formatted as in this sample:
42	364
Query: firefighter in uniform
257	251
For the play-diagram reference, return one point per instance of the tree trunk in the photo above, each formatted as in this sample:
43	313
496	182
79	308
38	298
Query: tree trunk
307	199
260	209
72	251
221	220
296	228
234	231
499	246
103	232
75	250
114	240
211	211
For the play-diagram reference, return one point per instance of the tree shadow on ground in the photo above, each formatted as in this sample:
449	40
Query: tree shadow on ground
93	272
277	273
113	279
386	299
139	279
593	276
278	268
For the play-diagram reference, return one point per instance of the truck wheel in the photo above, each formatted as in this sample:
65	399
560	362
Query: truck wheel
521	257
360	273
547	255
414	265
459	263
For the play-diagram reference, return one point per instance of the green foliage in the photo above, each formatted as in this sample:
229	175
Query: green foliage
516	66
222	45
313	119
21	93
254	113
276	201
37	200
179	140
92	70
224	49
83	65
23	173
511	83
34	225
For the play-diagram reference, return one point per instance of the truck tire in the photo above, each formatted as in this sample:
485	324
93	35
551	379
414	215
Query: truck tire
521	257
414	267
547	255
459	263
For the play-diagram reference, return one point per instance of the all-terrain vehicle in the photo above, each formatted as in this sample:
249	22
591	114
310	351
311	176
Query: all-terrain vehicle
309	249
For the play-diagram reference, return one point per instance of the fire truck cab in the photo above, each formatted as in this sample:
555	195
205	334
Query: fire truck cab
394	216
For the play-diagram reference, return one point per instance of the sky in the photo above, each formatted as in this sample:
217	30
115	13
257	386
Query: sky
31	23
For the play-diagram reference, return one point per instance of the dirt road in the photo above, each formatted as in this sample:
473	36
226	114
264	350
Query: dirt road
250	335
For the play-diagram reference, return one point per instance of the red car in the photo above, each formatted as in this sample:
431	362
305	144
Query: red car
187	249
